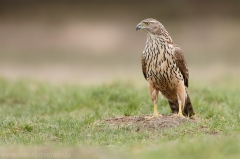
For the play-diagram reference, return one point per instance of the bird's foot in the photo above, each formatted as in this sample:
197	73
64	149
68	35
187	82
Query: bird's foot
179	115
153	117
155	114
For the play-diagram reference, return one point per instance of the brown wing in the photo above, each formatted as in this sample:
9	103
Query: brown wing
144	67
181	63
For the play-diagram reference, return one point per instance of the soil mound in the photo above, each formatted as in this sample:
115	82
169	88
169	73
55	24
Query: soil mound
141	122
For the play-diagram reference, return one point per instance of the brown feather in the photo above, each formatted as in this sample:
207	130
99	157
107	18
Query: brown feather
144	67
181	63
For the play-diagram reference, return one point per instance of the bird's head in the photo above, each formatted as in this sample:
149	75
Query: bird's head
151	26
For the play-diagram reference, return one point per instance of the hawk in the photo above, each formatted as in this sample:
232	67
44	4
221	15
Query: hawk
165	69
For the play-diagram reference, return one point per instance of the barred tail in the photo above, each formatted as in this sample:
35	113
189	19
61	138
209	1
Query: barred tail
188	109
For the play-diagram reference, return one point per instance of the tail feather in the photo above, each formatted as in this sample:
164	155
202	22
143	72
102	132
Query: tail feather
188	108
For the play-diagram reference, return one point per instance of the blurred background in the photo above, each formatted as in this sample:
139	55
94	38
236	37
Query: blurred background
95	41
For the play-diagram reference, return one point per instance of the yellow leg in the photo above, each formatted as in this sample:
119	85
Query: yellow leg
180	111
155	113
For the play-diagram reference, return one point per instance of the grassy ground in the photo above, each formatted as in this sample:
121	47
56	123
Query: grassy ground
39	119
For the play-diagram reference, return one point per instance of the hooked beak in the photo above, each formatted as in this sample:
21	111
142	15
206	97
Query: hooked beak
138	27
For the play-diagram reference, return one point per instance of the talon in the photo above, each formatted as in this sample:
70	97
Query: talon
153	117
178	115
149	117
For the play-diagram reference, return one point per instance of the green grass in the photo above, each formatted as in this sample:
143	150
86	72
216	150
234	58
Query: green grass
43	117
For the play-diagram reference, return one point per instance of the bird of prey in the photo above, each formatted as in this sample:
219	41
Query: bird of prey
165	69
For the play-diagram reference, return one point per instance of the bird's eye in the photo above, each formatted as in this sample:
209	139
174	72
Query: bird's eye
147	23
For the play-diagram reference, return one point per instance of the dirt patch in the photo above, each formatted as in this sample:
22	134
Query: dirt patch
140	122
